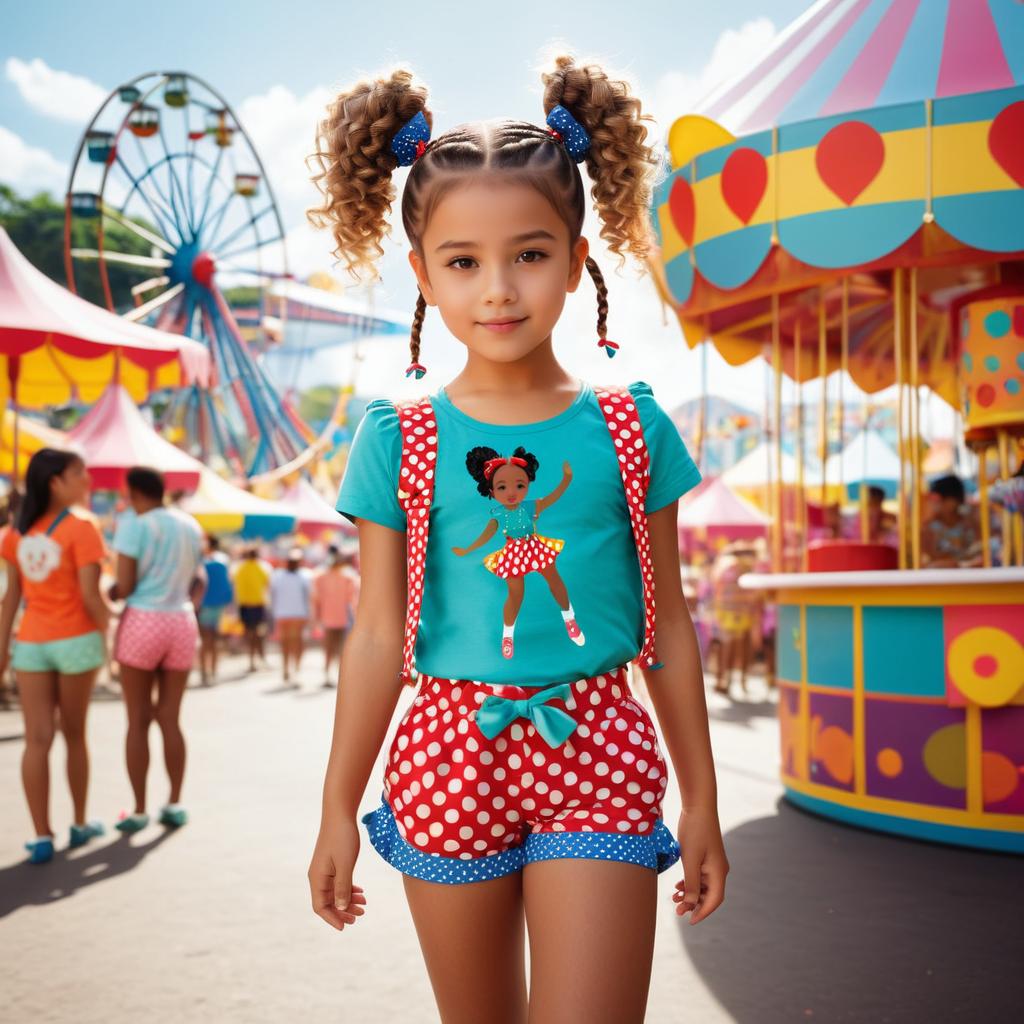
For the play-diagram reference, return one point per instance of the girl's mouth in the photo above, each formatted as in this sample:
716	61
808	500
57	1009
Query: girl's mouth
502	326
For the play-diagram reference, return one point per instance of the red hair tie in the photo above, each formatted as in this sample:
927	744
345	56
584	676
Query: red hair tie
416	368
611	347
492	464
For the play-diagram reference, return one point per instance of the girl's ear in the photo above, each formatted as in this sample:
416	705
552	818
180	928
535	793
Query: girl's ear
577	260
420	270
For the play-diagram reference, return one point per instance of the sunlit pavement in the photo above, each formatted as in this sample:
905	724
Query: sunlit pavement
212	923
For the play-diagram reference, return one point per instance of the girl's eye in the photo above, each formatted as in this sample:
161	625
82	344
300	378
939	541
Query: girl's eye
532	256
459	263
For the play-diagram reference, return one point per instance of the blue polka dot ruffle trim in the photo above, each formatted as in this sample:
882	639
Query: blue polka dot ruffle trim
658	850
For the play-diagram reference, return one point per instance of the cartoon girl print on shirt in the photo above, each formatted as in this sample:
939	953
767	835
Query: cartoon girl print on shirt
507	480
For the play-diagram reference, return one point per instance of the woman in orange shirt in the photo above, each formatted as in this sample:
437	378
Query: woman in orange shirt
53	559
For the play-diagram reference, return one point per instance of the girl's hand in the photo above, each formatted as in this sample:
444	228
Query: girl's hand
459	551
705	866
566	470
334	897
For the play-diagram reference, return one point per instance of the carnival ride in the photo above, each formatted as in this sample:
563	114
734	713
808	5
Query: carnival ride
855	202
166	159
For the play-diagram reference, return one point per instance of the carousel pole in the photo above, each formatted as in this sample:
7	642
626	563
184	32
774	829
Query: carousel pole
823	410
915	429
983	508
1006	552
897	332
769	481
801	511
780	531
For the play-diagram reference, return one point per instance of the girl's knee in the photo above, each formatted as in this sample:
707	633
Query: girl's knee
39	738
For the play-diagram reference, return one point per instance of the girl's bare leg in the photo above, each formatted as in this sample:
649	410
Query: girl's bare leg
137	689
514	601
170	689
472	938
557	586
74	692
37	692
591	926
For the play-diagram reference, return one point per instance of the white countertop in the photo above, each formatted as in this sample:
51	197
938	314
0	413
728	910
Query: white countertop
881	578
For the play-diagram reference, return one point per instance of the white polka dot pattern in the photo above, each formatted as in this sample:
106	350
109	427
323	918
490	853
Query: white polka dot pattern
455	793
415	493
623	419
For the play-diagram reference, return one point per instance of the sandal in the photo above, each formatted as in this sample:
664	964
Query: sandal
173	816
40	850
81	834
129	823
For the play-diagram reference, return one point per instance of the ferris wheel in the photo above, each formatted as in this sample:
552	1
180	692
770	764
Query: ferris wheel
169	205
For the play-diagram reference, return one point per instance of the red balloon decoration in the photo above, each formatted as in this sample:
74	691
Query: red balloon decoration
849	158
681	206
1006	141
743	182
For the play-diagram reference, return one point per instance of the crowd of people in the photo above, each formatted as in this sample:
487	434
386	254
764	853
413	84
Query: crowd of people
151	604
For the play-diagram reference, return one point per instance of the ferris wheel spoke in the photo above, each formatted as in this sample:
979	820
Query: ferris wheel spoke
128	259
149	284
174	183
217	220
144	195
189	176
151	179
140	312
128	223
251	222
209	190
249	248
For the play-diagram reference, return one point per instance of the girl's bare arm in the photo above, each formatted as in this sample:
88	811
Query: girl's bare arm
489	530
549	499
371	661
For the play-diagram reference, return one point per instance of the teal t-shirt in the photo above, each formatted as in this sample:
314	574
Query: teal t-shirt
587	524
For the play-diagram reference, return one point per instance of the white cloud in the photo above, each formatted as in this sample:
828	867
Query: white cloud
57	94
28	169
679	92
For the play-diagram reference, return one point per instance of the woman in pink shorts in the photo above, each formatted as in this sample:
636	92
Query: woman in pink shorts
160	579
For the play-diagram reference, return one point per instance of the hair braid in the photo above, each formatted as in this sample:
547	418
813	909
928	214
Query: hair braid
417	327
602	297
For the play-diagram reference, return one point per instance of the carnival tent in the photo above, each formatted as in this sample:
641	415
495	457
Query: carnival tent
55	346
314	515
719	507
222	508
866	459
114	435
757	468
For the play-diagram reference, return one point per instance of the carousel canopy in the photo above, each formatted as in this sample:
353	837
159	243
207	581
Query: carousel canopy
717	506
876	137
56	346
222	508
114	435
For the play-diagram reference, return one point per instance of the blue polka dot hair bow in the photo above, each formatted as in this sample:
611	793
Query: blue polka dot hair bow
566	128
411	140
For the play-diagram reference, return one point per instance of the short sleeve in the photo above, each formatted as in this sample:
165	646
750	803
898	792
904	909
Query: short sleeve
673	471
9	546
369	488
128	536
86	544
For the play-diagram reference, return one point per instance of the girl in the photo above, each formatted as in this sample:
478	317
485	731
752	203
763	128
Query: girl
525	551
290	598
53	559
520	792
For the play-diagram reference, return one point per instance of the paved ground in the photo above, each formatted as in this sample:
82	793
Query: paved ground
821	923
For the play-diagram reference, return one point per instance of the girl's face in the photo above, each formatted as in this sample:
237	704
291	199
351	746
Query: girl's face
71	486
510	485
498	264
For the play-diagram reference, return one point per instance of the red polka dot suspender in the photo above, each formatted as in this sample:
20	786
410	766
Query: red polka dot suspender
415	493
416	490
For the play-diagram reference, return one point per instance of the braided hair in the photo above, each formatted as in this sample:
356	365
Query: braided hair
355	164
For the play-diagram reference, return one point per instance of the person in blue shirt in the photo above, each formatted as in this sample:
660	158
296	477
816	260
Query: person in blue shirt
525	550
524	790
218	596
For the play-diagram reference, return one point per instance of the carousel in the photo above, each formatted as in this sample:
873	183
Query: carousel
851	209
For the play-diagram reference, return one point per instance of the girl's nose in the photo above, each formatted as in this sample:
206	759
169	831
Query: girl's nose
499	289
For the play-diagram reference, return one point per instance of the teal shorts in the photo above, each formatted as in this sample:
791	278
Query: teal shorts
210	616
69	657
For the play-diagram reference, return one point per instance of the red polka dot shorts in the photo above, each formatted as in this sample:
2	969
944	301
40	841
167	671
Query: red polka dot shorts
460	807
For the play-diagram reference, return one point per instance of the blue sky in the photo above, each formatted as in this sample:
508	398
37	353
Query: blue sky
279	61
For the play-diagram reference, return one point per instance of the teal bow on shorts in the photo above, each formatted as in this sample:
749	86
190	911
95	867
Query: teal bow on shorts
553	724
